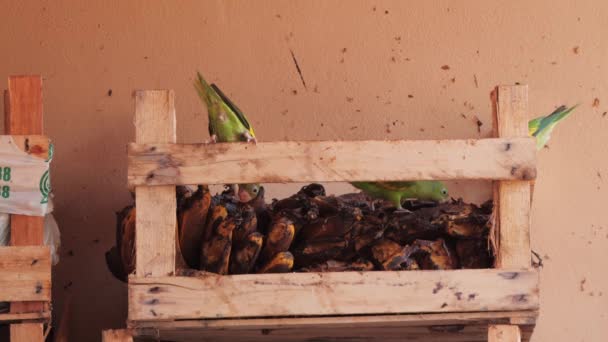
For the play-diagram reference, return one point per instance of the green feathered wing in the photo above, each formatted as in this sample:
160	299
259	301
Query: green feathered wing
542	127
226	121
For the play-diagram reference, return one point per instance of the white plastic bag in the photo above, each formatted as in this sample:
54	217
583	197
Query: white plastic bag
24	180
5	229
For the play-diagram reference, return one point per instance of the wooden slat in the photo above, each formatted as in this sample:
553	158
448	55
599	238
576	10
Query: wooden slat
504	333
329	161
118	335
23	115
25	273
42	316
513	196
413	327
343	322
27	332
458	333
25	109
345	293
156	223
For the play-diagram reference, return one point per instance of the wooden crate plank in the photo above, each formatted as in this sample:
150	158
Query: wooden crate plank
27	332
414	327
504	333
513	196
469	333
25	273
341	322
345	293
42	316
156	223
117	335
23	115
329	161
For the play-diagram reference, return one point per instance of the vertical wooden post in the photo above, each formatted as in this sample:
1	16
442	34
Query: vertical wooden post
511	199
504	333
23	115
155	223
121	335
513	196
27	332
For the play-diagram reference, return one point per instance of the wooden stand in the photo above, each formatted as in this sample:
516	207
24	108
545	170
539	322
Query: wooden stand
25	267
454	305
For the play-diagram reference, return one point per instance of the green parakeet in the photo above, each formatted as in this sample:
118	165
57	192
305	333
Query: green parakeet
397	192
541	127
227	123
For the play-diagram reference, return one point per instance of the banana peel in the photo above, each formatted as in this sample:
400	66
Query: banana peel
474	253
125	239
279	238
192	218
318	251
359	265
281	263
244	256
436	255
248	223
215	253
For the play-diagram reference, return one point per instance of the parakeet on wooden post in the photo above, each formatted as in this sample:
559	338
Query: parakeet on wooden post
227	123
542	127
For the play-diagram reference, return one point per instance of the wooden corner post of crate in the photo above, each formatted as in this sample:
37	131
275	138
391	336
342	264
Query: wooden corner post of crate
25	266
511	198
117	335
450	305
156	222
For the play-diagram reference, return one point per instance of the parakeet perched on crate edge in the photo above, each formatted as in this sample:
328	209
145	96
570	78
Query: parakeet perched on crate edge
397	192
541	127
227	123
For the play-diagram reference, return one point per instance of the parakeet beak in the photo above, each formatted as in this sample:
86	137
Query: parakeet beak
244	196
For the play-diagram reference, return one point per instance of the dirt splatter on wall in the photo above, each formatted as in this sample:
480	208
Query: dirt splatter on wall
306	70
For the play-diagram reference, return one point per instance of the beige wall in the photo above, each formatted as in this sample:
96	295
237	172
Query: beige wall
360	61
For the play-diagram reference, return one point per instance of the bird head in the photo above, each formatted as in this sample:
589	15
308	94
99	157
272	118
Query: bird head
248	192
439	192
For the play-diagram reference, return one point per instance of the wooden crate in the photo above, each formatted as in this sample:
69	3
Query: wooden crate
25	266
454	305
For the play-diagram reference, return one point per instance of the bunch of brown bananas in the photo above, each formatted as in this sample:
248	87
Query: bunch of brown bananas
312	232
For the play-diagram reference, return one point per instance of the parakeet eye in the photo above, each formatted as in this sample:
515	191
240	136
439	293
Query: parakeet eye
255	190
444	192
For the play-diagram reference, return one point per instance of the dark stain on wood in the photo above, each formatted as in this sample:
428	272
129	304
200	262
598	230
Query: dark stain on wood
34	262
509	275
507	146
520	298
152	301
438	287
447	328
156	289
38	288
